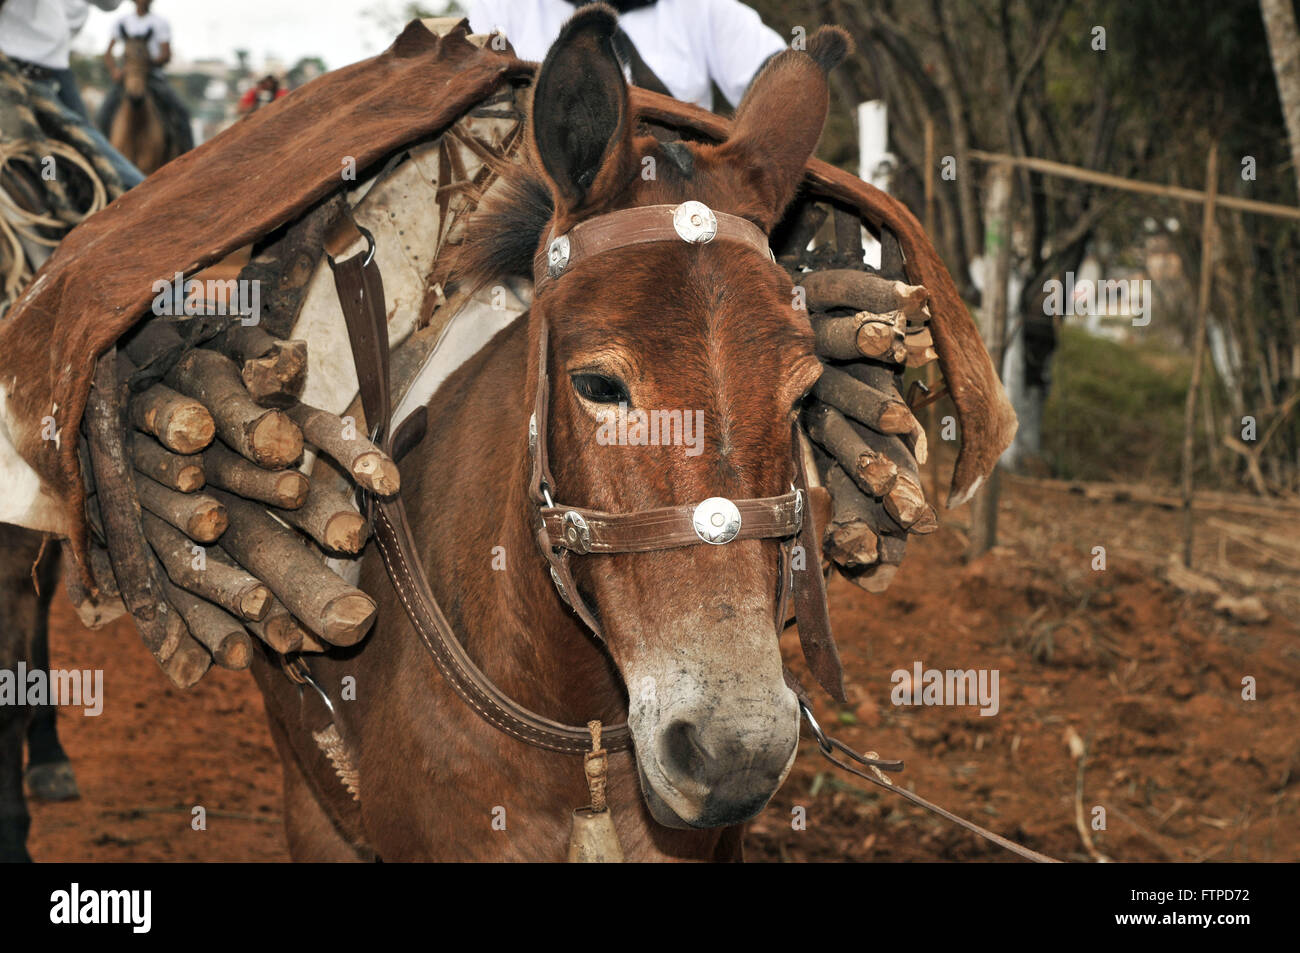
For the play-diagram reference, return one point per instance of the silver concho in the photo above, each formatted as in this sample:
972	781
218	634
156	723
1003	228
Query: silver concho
695	222
557	256
577	534
717	520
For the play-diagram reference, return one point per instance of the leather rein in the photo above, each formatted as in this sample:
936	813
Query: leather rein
562	531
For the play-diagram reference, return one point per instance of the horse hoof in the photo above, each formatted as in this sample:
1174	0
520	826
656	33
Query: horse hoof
53	781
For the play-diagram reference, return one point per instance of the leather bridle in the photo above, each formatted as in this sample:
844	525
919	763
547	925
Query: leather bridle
565	531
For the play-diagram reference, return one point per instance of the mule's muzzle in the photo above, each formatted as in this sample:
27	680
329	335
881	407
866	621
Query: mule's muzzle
715	766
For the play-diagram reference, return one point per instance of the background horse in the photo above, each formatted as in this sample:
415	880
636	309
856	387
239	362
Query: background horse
137	128
690	631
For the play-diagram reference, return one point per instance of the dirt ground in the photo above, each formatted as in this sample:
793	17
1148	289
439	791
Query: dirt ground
1146	676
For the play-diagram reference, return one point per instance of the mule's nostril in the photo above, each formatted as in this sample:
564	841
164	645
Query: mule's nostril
681	753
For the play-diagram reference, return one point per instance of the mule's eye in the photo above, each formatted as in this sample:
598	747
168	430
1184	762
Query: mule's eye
600	389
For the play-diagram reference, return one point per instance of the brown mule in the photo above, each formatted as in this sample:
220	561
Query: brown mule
137	129
690	656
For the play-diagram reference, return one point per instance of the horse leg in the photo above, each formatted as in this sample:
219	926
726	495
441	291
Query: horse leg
19	550
312	836
49	773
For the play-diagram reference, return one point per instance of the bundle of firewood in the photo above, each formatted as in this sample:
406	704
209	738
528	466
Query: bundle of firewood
870	327
199	521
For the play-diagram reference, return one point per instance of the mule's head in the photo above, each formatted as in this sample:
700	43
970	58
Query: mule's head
702	344
136	64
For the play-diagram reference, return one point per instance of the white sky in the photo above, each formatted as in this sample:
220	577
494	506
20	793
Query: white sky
339	31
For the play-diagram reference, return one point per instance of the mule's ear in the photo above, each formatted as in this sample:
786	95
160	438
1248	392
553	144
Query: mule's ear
581	123
780	119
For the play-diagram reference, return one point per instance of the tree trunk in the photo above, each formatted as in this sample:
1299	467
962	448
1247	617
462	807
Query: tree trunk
997	271
1284	47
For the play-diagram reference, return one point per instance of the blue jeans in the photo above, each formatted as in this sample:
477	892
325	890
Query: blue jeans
62	91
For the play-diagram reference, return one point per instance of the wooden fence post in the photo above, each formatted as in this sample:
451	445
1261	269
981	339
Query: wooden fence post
1198	349
997	271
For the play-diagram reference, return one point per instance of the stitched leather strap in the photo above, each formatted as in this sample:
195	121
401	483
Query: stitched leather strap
594	531
690	222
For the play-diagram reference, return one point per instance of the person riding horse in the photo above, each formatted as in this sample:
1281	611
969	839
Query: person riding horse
155	32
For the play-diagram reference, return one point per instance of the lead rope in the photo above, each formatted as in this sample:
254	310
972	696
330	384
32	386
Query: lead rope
593	839
828	745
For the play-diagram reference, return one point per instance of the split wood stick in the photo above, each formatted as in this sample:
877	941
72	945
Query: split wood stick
287	489
274	371
197	515
182	472
316	596
850	540
181	423
844	288
267	437
871	470
134	567
330	517
232	589
368	465
880	410
279	629
906	503
189	663
214	628
310	644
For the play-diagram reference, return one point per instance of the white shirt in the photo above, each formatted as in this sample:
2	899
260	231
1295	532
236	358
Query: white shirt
133	25
40	31
686	42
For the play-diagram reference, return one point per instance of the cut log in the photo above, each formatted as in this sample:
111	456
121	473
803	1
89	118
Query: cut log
879	410
274	371
324	603
279	629
871	470
850	540
197	515
859	335
226	469
182	472
233	589
181	423
368	465
134	567
189	663
920	348
883	379
844	288
267	437
214	628
330	517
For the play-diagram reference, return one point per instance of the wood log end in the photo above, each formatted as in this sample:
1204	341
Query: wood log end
207	522
291	489
345	532
274	440
190	478
255	602
377	473
187	429
188	664
347	618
